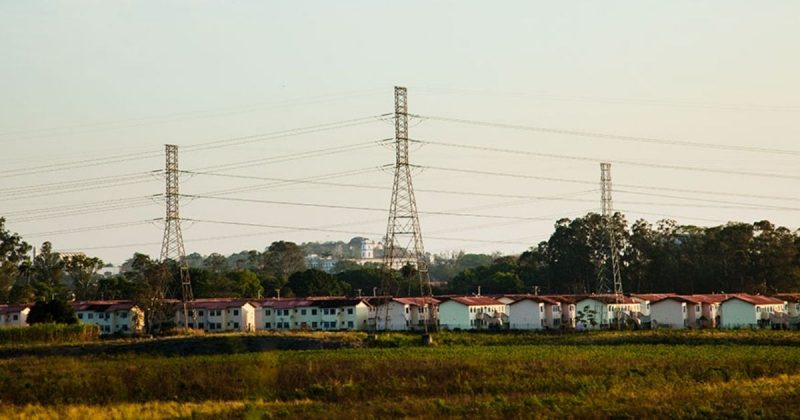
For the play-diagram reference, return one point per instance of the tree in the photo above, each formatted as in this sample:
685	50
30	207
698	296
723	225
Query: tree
48	271
368	280
151	281
13	254
247	283
82	270
216	263
316	283
52	311
281	260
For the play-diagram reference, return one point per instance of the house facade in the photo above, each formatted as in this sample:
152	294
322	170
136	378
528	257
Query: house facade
404	314
750	311
601	311
14	315
112	317
472	313
313	314
219	315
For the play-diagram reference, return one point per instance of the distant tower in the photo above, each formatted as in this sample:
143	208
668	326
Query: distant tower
612	262
367	249
172	247
403	244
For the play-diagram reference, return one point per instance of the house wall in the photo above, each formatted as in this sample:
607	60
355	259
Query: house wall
670	313
552	315
735	313
586	306
398	319
526	315
454	315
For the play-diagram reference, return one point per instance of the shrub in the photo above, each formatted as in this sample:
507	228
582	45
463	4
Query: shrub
49	333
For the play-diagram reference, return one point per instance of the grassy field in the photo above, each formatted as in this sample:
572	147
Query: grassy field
737	374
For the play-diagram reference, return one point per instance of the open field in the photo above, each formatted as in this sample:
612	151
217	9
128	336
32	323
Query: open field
595	377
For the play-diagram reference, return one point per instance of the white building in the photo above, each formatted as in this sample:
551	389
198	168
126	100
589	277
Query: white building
598	311
14	315
674	311
219	315
112	317
750	311
326	264
314	313
472	312
403	314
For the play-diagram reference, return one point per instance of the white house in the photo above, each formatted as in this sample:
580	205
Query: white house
403	314
750	311
14	315
674	311
534	312
112	317
471	312
220	315
596	311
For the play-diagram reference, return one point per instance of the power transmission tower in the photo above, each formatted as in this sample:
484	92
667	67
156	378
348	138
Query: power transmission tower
403	246
172	248
608	218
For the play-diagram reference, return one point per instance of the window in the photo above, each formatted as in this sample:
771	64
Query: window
235	312
219	325
541	308
349	324
267	312
313	312
406	309
349	311
302	312
123	315
314	324
80	315
89	315
16	317
268	325
420	323
286	313
125	327
684	308
236	325
200	313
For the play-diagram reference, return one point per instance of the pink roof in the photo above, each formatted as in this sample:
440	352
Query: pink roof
13	308
535	298
103	305
789	297
218	303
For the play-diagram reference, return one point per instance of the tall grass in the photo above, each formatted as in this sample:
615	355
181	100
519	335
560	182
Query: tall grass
49	333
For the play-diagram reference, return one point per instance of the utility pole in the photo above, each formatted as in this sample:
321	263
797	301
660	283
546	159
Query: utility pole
172	248
608	218
403	235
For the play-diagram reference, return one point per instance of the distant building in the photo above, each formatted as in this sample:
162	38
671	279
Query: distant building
326	264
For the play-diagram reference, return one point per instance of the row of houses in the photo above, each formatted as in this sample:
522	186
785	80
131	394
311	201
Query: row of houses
517	312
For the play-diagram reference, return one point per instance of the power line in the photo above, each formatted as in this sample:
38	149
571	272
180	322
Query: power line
89	228
606	136
623	162
360	208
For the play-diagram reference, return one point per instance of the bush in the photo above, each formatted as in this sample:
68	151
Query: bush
49	333
54	311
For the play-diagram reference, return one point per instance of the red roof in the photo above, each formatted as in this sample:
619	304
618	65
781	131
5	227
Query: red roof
474	300
535	298
755	299
416	301
610	299
655	298
789	297
218	303
103	305
14	308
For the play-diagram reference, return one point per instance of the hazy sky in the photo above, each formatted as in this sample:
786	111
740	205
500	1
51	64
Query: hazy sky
92	90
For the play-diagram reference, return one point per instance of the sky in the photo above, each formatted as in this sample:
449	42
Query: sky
90	91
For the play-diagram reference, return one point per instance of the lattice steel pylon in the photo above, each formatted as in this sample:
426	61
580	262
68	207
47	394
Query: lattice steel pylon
403	245
172	248
612	261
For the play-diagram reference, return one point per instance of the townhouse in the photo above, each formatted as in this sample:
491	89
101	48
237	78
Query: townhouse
219	315
601	311
472	313
533	312
112	317
14	315
742	310
403	314
316	313
671	310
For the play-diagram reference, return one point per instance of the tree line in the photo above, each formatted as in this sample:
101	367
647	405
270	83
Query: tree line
665	257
